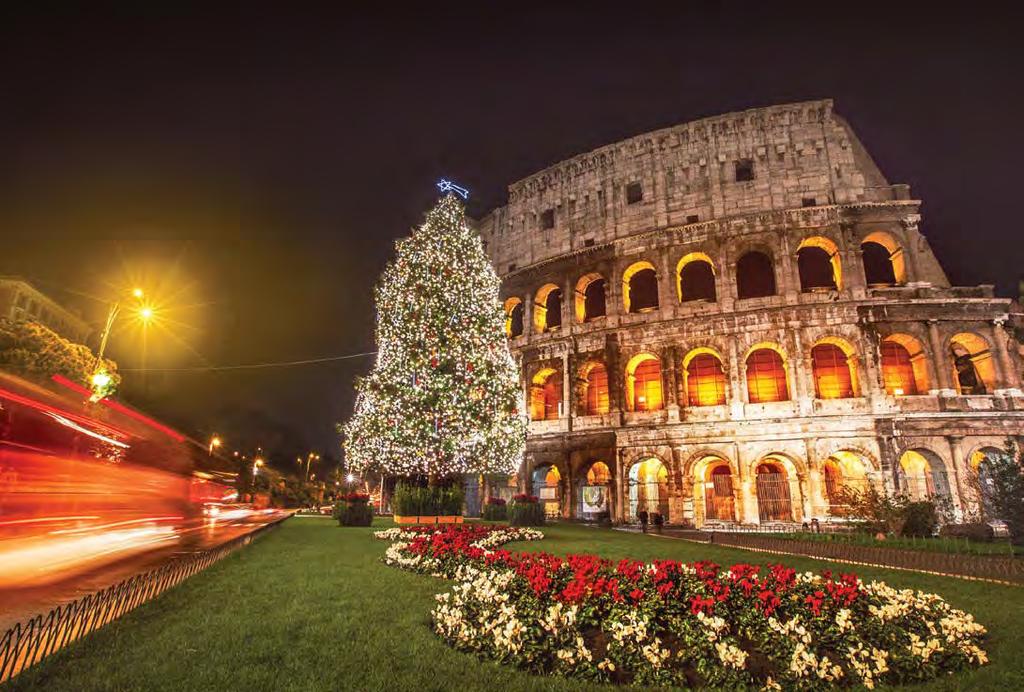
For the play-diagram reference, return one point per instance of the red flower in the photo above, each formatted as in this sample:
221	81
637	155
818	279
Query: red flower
698	604
814	601
767	601
636	595
665	588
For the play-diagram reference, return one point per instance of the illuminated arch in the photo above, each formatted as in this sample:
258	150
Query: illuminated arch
643	383
704	378
546	395
716	476
648	488
818	264
843	469
590	297
513	317
594	385
981	462
547	308
922	474
883	268
904	365
772	486
834	367
767	374
973	367
640	287
695	278
547	487
755	275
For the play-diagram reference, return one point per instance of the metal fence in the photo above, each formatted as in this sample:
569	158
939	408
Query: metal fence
29	642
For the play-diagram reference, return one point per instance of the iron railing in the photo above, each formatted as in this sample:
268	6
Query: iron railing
31	641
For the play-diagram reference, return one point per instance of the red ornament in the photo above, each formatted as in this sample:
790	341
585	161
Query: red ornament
469	366
433	362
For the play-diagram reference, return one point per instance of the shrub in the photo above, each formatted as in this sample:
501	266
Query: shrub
525	510
411	501
920	519
354	512
495	512
973	532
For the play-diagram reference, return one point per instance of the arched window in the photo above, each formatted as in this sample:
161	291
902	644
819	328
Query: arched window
973	368
590	297
546	395
513	317
705	380
696	276
833	480
833	378
818	264
922	475
766	377
596	383
755	276
547	308
643	383
883	260
897	370
773	498
598	474
640	288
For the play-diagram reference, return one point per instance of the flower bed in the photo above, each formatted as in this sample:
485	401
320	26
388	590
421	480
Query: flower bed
672	623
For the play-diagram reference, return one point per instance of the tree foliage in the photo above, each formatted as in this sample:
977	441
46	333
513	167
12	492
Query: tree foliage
36	352
443	397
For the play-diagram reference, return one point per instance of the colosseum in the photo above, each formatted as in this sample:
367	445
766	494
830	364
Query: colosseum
729	320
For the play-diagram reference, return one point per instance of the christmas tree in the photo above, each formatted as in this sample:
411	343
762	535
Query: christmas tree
443	397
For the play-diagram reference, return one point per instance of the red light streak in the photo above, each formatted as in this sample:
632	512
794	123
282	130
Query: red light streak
120	408
46	408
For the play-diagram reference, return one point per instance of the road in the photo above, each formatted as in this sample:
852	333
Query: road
18	603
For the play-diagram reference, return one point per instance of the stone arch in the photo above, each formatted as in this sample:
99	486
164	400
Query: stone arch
767	377
547	308
514	317
715	488
704	383
883	260
921	474
546	395
818	264
594	388
843	469
546	483
590	297
695	278
640	287
647	487
973	366
834	368
643	383
777	488
904	365
980	478
594	489
755	275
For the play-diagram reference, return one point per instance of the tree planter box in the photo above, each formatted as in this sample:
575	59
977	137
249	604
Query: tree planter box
406	520
427	520
453	519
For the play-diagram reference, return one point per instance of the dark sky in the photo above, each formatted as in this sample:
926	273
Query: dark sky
251	167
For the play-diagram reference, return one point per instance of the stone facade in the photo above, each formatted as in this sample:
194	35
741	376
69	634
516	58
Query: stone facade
746	405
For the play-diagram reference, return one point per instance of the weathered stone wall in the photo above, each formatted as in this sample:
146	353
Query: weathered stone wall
801	154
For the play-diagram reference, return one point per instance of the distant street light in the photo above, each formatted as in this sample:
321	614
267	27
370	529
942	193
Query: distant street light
216	442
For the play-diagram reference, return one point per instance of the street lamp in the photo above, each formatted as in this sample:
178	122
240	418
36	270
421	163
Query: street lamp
215	441
313	456
100	378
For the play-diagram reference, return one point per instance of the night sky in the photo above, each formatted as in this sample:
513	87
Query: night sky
252	169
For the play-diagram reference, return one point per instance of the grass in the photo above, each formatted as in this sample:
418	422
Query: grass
959	546
311	607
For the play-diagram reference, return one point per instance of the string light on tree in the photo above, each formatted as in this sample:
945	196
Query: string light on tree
440	329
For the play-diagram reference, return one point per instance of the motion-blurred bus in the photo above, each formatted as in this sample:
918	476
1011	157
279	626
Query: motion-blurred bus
84	484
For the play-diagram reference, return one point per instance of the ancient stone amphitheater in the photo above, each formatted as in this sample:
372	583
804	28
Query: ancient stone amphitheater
730	320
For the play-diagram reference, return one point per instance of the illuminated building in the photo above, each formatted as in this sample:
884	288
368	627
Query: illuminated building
21	301
738	316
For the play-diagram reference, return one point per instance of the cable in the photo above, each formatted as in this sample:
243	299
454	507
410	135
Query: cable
281	364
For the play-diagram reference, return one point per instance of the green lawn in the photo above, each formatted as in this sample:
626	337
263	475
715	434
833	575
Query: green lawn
311	607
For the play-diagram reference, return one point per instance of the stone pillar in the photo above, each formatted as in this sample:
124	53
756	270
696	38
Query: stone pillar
962	500
911	233
568	379
1011	377
746	510
819	505
670	383
800	369
528	330
943	372
620	481
737	373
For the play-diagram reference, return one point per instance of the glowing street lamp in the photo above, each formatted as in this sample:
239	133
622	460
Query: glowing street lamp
143	312
215	441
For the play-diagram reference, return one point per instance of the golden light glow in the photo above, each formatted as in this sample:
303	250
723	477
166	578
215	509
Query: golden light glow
546	395
137	292
643	383
146	313
101	379
627	278
899	267
832	250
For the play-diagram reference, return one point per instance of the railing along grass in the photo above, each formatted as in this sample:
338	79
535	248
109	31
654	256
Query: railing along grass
312	607
939	544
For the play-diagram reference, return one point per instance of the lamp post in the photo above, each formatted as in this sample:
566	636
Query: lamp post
311	457
215	441
100	378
